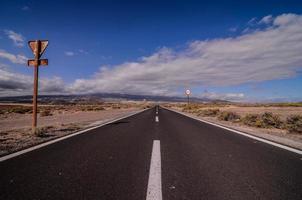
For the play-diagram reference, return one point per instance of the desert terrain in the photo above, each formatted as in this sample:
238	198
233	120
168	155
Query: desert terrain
55	121
279	122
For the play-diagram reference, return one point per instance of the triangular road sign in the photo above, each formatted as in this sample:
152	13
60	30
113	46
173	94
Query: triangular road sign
44	44
34	44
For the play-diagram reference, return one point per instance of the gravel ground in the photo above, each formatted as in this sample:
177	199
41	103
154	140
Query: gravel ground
15	129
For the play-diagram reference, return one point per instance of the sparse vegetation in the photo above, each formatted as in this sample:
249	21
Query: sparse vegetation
274	115
45	113
209	112
229	116
43	131
269	120
20	110
91	108
252	120
16	120
266	120
294	124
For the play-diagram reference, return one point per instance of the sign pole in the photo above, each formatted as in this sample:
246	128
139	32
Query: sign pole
36	82
38	48
188	92
188	99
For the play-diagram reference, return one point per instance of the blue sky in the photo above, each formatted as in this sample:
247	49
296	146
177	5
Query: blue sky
234	50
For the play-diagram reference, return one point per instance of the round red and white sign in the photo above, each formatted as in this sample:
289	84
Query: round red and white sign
188	92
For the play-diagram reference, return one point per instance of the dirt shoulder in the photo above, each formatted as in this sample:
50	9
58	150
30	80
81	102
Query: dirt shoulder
15	128
277	135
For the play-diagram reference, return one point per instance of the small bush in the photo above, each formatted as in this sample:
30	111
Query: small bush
116	107
209	112
20	110
99	108
294	124
191	108
229	116
271	121
252	120
266	120
45	113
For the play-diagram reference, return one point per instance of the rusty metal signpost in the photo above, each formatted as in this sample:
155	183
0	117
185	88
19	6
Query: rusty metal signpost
38	47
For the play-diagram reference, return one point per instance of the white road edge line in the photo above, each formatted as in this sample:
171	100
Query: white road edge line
244	134
156	119
18	153
154	191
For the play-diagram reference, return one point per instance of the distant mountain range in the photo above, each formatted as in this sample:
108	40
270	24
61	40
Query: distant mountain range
56	99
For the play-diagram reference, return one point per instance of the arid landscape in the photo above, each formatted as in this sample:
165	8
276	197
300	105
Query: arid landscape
280	122
56	120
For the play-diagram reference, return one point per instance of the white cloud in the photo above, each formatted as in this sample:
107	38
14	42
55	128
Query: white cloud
17	59
17	38
221	96
287	19
69	53
266	20
270	53
260	55
252	21
12	83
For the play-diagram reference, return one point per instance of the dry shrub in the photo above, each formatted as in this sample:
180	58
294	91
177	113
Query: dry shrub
92	108
99	108
294	124
116	107
191	108
209	112
42	131
270	120
229	116
20	110
45	113
266	120
252	120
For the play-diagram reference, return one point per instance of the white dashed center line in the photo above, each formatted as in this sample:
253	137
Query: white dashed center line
156	119
154	191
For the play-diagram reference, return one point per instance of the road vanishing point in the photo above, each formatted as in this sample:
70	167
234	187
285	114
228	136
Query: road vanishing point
153	155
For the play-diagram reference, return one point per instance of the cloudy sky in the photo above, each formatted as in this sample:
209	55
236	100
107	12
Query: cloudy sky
240	51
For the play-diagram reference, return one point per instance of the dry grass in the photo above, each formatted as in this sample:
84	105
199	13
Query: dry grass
283	116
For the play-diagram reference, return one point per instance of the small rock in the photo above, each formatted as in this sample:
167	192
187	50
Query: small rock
172	187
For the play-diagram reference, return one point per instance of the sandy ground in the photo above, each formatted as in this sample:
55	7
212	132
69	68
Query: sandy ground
15	129
276	135
283	112
20	121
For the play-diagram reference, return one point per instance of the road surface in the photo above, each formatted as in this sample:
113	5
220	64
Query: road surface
154	156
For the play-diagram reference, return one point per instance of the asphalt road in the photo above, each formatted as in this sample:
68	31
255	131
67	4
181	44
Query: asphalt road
197	161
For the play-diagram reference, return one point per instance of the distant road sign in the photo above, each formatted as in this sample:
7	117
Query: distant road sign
188	92
34	45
